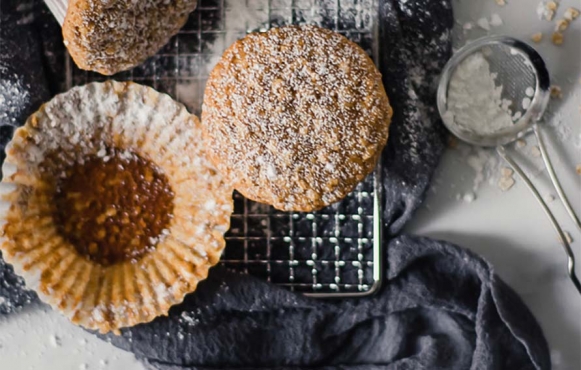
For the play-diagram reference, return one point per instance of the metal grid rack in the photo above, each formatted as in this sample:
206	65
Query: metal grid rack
333	252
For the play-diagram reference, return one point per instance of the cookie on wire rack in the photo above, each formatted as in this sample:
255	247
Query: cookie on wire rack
109	208
295	117
115	35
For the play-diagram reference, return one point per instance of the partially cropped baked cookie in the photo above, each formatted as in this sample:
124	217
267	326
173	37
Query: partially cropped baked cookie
109	208
115	35
295	117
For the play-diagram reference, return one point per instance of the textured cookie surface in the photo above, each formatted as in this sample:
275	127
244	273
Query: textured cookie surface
295	117
115	35
109	208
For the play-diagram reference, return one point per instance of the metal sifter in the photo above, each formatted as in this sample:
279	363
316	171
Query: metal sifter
519	68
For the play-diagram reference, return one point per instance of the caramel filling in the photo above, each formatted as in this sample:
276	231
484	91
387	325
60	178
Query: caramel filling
113	208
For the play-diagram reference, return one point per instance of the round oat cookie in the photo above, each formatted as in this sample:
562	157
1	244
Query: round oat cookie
115	35
295	117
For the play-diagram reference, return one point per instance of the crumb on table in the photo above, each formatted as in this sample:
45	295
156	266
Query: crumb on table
556	92
506	172
561	25
505	183
571	14
521	143
558	38
537	37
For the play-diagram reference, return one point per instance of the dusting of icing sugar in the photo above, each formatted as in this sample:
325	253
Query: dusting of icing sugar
317	90
111	36
13	96
242	17
474	100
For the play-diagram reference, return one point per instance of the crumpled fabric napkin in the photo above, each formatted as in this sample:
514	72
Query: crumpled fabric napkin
441	307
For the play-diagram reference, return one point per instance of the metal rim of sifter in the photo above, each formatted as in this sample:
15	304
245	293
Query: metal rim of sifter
539	102
523	126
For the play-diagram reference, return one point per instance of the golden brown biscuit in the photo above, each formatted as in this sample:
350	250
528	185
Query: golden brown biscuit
109	208
295	117
115	35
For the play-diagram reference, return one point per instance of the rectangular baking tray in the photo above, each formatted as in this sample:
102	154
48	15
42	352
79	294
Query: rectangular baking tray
334	252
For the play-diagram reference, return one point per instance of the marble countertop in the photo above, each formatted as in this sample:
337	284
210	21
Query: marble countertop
507	228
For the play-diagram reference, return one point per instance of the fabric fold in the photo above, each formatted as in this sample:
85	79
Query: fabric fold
442	307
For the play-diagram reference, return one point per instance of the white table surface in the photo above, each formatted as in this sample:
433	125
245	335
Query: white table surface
507	228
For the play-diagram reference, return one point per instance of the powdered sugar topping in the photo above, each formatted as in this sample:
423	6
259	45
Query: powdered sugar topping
299	110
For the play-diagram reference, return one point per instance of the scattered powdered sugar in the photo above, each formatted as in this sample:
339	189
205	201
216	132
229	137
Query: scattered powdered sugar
475	100
14	95
484	24
189	318
54	340
496	20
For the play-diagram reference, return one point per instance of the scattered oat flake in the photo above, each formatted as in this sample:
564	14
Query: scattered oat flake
506	172
546	10
505	183
556	92
571	14
578	169
452	142
535	151
561	25
468	26
537	37
520	143
500	2
558	38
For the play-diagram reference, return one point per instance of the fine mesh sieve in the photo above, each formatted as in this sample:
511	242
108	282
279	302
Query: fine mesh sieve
519	69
